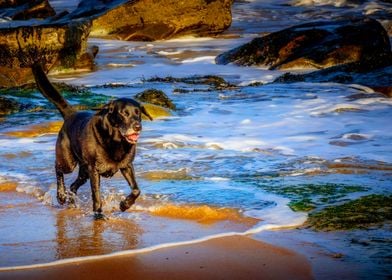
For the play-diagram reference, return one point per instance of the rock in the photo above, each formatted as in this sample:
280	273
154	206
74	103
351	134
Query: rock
315	45
8	106
22	10
12	3
386	90
156	97
380	79
148	20
215	82
156	111
59	46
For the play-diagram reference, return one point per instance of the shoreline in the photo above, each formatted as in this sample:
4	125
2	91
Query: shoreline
227	257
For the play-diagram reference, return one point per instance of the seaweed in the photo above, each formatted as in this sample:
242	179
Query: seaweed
306	197
362	213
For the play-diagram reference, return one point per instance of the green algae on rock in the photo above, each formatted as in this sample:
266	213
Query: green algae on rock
365	212
28	98
306	197
156	97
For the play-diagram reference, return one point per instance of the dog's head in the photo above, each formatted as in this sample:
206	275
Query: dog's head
125	116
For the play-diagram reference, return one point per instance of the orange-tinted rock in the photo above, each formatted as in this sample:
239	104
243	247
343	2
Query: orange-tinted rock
58	46
150	20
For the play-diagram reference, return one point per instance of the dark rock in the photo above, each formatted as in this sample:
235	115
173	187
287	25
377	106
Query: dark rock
315	45
8	106
380	79
216	82
386	90
23	10
156	97
59	46
155	20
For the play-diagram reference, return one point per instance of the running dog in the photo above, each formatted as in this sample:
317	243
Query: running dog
100	143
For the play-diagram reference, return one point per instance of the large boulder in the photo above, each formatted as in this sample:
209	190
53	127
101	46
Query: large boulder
59	46
150	20
315	45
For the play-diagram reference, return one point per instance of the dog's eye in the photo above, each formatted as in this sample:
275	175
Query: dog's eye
137	111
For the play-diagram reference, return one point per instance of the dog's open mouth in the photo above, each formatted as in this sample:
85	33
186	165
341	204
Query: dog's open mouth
132	138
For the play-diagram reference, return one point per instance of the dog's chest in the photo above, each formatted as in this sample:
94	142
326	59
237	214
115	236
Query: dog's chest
107	166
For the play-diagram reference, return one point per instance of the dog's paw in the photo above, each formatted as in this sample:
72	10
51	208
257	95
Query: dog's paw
100	216
61	198
72	198
126	204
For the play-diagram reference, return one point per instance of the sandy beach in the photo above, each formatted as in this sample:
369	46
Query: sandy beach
235	257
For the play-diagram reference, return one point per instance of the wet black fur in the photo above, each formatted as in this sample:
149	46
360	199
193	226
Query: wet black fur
95	143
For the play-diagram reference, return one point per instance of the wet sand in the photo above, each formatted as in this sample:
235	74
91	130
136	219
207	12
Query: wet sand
234	257
56	243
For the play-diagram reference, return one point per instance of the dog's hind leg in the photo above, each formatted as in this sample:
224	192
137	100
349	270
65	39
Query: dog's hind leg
82	179
65	163
61	194
129	175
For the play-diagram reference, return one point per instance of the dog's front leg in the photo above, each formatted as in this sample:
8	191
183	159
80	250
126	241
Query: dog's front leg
96	193
129	175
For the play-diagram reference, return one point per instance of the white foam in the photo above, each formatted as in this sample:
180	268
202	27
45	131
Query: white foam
209	59
336	3
216	179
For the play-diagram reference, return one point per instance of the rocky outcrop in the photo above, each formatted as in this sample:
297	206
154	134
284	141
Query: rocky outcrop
59	46
156	97
150	20
379	79
23	10
316	45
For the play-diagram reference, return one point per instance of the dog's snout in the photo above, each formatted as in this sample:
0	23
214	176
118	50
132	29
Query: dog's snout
137	126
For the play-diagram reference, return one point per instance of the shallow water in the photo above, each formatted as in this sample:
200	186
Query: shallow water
220	163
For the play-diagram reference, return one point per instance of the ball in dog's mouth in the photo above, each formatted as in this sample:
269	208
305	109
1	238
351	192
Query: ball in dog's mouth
132	138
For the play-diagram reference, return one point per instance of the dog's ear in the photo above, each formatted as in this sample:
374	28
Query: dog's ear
109	107
144	112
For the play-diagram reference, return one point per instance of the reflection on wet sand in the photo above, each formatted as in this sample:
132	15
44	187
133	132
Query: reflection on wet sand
31	232
79	235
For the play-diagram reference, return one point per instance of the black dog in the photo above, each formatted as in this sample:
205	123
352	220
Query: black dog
100	143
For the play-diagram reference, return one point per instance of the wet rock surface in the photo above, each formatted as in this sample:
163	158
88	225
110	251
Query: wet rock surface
23	10
59	46
315	45
155	20
8	106
379	79
156	97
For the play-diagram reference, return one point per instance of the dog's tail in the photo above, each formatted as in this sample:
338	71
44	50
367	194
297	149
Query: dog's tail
50	92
